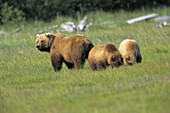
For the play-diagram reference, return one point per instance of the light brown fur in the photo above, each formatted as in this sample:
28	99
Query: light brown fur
130	51
71	50
103	55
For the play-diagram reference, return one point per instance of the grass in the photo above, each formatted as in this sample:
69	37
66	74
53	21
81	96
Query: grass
29	84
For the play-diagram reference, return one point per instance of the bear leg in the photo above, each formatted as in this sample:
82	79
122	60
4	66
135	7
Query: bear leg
92	67
57	66
69	65
56	61
78	63
101	66
139	59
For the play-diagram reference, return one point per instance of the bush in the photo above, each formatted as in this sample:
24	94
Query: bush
10	14
49	9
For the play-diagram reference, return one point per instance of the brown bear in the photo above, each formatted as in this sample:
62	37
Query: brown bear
73	51
130	51
103	55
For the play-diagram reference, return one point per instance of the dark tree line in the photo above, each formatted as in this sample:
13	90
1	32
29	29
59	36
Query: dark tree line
48	9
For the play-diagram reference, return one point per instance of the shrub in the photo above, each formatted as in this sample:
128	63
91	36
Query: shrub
49	9
10	14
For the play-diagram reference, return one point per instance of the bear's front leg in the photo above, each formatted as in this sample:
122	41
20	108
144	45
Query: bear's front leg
56	60
92	66
139	59
101	66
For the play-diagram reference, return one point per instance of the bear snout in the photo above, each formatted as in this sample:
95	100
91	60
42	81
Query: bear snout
119	63
130	64
38	46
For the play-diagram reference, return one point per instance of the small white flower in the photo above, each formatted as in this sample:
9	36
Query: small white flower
20	52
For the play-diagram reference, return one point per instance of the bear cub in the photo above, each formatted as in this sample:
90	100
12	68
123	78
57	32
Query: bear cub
103	55
130	51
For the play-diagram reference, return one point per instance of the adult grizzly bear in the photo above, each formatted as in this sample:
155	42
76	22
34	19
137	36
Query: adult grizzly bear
103	55
71	50
130	51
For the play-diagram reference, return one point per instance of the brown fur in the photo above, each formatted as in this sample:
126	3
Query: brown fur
130	51
101	56
71	50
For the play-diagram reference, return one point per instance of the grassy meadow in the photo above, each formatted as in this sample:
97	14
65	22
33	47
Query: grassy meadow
28	83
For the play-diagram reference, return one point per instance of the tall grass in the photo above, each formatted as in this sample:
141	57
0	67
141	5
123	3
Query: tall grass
29	84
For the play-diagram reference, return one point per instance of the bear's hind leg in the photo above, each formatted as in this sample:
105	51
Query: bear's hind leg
78	63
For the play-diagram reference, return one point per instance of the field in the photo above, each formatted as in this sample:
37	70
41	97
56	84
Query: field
28	83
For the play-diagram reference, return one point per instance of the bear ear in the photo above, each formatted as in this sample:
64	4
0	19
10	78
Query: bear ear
37	35
48	35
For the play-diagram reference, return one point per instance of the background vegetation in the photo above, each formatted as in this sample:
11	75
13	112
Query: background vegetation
29	84
50	9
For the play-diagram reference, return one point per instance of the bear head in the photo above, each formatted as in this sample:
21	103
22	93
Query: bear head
44	41
115	60
129	59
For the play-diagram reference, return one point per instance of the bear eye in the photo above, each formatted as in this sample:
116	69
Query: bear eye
42	41
128	58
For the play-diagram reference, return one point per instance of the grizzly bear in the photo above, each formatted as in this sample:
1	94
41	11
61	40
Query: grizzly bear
73	51
103	55
130	51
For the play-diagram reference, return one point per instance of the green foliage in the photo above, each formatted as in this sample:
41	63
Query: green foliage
50	9
10	14
29	84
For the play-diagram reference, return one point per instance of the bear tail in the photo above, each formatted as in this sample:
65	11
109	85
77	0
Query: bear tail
88	45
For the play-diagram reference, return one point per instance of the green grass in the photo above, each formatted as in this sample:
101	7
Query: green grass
29	84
